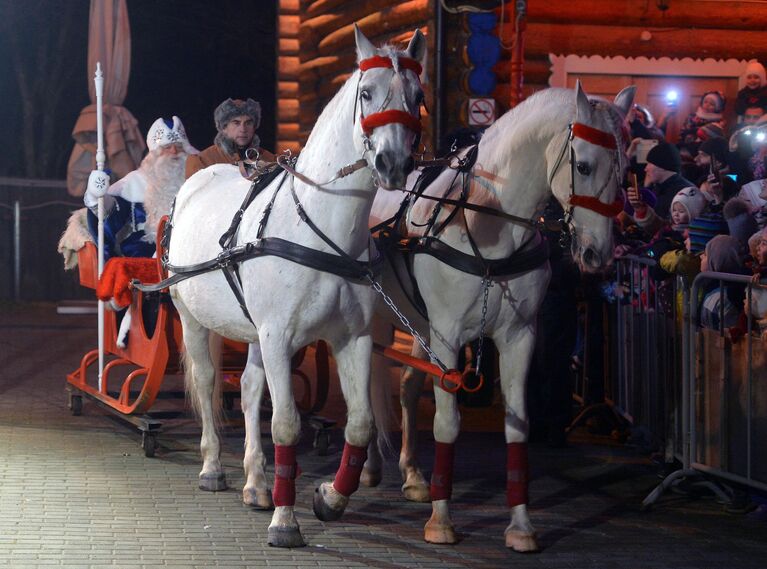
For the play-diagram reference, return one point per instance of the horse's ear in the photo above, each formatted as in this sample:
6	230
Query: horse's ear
582	105
625	99
365	49
416	49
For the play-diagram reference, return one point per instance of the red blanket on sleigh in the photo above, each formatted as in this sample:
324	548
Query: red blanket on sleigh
118	274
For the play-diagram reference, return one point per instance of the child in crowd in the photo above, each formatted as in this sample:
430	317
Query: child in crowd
722	305
710	110
754	94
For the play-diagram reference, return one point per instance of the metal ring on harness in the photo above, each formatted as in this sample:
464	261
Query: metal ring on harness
480	380
450	376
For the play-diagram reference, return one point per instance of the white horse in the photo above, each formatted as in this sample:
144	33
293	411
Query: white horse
559	142
288	305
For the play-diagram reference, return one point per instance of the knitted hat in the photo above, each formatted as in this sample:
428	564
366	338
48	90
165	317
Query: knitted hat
716	147
692	199
756	68
739	220
231	108
666	156
704	228
717	97
724	254
710	130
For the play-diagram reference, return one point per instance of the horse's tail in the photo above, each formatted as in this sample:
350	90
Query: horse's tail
191	380
380	388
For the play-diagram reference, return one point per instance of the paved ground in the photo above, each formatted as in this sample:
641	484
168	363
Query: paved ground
79	492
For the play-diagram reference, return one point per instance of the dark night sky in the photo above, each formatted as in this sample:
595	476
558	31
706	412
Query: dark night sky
187	56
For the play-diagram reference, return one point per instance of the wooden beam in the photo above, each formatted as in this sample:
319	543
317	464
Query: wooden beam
287	130
680	14
287	110
414	12
289	6
288	26
289	46
536	70
313	29
562	39
287	68
314	8
288	89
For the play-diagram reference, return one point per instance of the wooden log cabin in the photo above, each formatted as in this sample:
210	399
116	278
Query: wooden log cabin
691	46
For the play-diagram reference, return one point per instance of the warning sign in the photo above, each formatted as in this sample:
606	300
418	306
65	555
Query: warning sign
481	112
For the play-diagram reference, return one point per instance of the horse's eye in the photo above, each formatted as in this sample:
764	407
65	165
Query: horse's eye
583	168
365	95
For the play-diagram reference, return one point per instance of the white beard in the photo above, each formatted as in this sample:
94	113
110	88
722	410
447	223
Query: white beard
166	175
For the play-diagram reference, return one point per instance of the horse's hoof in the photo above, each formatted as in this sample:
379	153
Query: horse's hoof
521	541
257	499
416	493
438	533
322	510
371	478
213	482
282	536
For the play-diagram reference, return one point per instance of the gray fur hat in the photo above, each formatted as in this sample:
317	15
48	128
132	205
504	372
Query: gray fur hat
231	108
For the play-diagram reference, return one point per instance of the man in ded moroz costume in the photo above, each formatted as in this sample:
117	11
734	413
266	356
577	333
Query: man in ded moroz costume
134	205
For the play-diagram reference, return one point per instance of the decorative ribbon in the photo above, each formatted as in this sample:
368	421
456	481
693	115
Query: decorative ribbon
372	122
381	61
594	136
592	203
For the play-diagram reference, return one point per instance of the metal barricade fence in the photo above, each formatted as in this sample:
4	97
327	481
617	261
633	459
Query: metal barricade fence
644	383
723	425
34	217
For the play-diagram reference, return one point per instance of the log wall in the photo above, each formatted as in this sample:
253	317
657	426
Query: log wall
317	44
687	28
321	55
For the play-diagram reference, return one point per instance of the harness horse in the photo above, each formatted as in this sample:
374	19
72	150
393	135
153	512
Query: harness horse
486	275
293	267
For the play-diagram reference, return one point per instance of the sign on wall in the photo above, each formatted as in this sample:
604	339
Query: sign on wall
481	111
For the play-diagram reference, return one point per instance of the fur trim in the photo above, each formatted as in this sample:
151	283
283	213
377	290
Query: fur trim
74	238
118	274
231	108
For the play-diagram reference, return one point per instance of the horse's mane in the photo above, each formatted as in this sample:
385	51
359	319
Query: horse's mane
524	123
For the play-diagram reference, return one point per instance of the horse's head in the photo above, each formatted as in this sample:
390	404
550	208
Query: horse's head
588	175
389	97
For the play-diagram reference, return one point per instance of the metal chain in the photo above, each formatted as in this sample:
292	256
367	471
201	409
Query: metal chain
406	323
486	283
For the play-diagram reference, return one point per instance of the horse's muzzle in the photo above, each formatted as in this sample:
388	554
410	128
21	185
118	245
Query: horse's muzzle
393	169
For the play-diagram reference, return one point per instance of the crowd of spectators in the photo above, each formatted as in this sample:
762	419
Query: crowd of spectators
699	203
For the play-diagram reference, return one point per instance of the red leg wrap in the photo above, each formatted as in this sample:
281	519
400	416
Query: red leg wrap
516	474
285	472
442	475
348	476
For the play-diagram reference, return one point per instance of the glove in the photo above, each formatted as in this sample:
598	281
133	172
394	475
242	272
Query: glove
98	184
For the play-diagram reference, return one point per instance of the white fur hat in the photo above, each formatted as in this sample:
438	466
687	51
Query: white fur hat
164	132
692	199
757	69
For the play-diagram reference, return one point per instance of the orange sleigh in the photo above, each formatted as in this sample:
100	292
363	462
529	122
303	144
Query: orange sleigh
133	376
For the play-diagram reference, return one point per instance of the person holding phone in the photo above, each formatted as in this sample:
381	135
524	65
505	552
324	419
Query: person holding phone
710	110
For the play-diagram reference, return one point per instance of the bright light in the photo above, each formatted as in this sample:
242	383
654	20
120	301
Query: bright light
747	132
760	137
672	96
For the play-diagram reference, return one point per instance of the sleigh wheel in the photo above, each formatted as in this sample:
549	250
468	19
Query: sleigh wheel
76	404
148	443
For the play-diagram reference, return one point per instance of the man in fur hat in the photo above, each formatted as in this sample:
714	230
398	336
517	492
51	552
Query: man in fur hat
134	204
236	121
